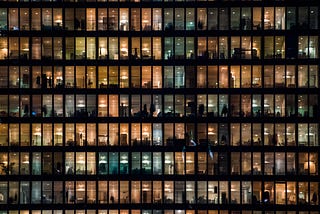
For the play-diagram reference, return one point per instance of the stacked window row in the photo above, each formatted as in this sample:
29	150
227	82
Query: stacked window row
157	163
160	106
147	48
157	134
158	192
130	0
158	19
167	211
155	77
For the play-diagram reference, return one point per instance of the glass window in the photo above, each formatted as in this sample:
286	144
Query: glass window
135	19
246	76
124	163
69	133
91	193
46	18
223	77
224	19
146	51
102	19
179	77
113	48
91	19
280	18
235	192
235	18
280	134
124	54
13	48
202	48
91	163
302	105
179	187
190	164
291	163
291	18
303	17
157	192
168	19
313	76
246	19
223	192
246	134
190	19
13	77
69	49
135	192
79	21
168	77
280	163
24	19
135	167
57	18
146	77
201	18
268	163
113	106
69	19
313	14
113	192
201	76
113	163
47	134
91	48
3	19
135	76
313	193
36	163
36	192
13	19
146	163
268	18
157	77
103	192
157	48
256	23
256	105
223	48
235	163
157	134
3	48
179	19
103	163
157	18
102	76
91	134
256	163
124	192
80	48
113	19
168	163
212	76
202	105
146	19
212	18
69	163
135	48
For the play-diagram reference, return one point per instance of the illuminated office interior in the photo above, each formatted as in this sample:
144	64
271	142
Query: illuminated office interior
159	107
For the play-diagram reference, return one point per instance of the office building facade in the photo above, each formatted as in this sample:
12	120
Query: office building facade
159	107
